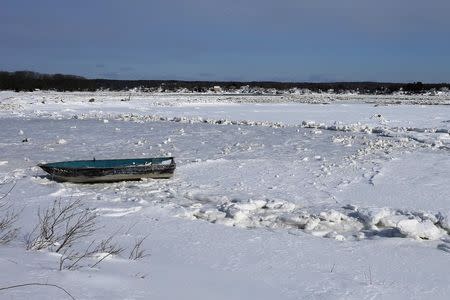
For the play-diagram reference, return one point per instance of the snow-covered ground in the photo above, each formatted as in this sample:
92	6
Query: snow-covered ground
273	198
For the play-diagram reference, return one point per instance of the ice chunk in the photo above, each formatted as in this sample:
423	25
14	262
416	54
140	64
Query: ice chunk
372	216
416	229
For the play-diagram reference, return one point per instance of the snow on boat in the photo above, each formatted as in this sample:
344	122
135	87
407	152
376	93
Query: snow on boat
110	170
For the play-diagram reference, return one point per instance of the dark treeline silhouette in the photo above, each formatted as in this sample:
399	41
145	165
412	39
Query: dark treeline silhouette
30	81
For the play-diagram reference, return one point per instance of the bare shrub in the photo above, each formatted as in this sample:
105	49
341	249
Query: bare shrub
65	227
7	230
62	228
7	219
71	258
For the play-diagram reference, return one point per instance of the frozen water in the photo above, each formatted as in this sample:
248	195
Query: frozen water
269	200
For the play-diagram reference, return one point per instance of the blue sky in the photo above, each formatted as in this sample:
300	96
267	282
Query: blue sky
284	40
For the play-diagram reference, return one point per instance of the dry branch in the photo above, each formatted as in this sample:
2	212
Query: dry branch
137	252
37	284
8	192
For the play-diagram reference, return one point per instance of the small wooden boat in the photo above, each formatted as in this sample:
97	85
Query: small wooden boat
110	170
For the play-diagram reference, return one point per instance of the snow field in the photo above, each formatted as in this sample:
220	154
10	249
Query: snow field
261	207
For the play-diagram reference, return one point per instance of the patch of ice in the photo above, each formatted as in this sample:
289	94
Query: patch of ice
117	212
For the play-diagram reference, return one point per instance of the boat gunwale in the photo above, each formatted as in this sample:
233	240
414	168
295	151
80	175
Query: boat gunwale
54	165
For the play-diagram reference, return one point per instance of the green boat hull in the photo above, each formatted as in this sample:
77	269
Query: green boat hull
112	170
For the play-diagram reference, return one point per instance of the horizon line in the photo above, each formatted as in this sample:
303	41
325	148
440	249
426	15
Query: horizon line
234	81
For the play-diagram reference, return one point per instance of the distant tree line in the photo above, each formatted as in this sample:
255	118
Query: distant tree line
30	81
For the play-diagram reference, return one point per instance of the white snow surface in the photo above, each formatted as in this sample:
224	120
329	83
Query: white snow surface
272	198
